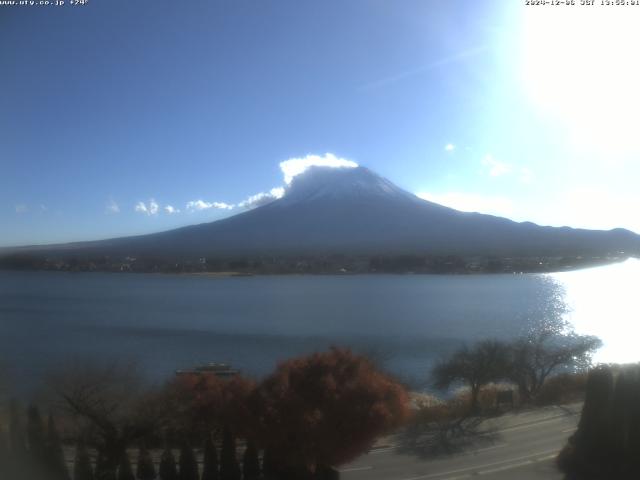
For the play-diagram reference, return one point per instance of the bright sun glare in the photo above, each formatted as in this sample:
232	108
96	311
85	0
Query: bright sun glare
580	65
603	302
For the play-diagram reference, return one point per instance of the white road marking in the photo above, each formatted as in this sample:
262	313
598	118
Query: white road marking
382	450
460	477
493	447
471	452
355	469
530	424
515	465
475	468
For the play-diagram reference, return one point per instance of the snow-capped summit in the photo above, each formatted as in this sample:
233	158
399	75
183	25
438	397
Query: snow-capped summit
324	183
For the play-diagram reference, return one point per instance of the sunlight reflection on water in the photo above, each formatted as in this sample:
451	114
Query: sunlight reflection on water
603	301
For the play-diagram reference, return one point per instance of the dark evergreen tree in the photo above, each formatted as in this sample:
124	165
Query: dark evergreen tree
125	472
168	470
269	465
210	467
622	405
229	468
327	473
251	462
56	463
4	455
16	432
82	469
188	464
146	470
103	470
99	471
594	429
633	446
35	436
588	453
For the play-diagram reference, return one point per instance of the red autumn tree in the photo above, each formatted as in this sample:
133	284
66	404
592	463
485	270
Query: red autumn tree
326	409
204	403
236	412
193	403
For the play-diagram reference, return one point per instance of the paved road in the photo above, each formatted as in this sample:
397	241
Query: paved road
524	448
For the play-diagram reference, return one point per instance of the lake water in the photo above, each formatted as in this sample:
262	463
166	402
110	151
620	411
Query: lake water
406	322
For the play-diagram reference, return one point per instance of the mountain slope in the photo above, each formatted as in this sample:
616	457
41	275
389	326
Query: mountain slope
355	211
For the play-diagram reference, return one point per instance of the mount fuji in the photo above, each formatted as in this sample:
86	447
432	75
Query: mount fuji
355	211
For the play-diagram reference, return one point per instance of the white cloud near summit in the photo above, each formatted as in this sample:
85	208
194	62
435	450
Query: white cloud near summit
262	198
199	205
290	168
112	207
150	208
295	166
494	167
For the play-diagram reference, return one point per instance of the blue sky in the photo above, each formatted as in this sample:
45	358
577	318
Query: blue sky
126	117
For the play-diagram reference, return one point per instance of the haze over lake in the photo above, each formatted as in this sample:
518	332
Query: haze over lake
406	321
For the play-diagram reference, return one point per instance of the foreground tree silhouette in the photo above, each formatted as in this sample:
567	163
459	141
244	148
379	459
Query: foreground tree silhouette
113	407
269	466
250	463
82	469
36	437
54	452
17	440
474	366
229	468
168	469
326	409
104	469
4	455
210	461
125	472
549	347
146	469
605	445
188	464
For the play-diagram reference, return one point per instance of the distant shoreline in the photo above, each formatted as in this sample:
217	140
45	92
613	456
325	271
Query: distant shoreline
215	274
507	266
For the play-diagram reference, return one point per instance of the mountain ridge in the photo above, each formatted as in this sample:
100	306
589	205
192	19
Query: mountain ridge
355	211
